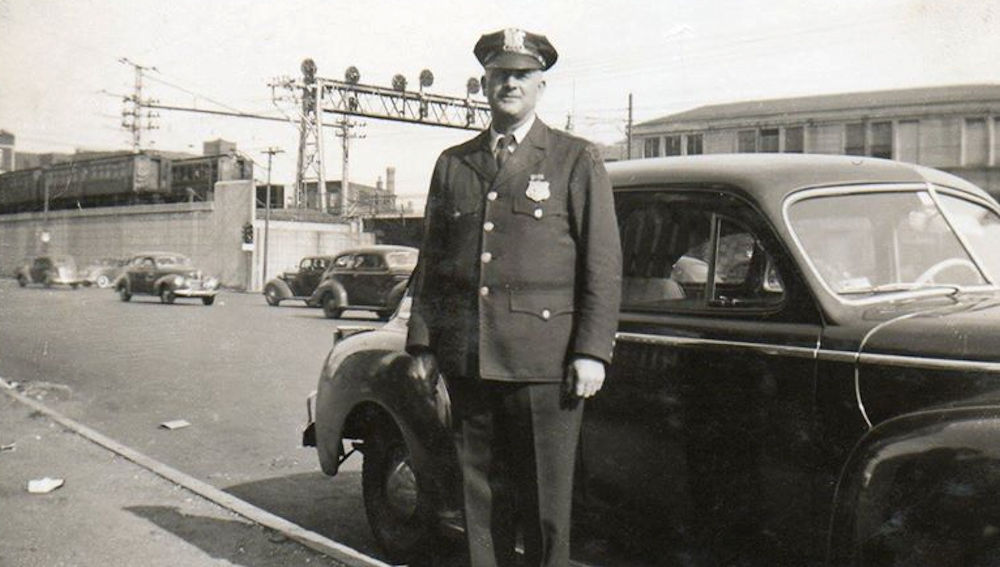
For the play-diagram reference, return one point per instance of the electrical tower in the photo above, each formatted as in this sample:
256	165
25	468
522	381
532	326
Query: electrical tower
133	113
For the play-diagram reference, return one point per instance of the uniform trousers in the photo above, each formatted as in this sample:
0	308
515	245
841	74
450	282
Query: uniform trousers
516	446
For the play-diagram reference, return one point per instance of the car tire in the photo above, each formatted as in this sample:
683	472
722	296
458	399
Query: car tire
167	295
208	300
123	293
22	281
331	308
102	281
271	295
74	285
397	509
48	280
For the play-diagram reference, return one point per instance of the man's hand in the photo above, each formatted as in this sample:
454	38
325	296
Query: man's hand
585	376
424	371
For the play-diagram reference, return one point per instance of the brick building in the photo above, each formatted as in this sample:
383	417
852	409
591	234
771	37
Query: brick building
954	128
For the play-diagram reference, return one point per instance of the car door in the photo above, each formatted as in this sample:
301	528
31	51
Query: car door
370	279
39	267
701	440
143	275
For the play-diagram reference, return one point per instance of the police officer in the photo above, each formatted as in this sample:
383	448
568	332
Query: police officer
515	302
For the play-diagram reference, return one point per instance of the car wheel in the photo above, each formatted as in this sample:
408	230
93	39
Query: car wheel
208	300
331	309
48	280
103	281
395	505
74	285
167	295
123	293
271	295
22	281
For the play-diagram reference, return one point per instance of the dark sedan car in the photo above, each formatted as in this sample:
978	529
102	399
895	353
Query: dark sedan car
49	270
168	275
371	278
298	284
807	371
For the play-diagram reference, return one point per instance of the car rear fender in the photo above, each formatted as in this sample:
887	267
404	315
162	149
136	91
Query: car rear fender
327	287
919	489
348	406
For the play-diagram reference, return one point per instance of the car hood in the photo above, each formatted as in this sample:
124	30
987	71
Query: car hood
965	328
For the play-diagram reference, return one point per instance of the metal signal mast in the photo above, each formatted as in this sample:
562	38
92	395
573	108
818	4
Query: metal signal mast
132	114
350	98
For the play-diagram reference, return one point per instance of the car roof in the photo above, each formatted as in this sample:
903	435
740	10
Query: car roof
378	248
768	178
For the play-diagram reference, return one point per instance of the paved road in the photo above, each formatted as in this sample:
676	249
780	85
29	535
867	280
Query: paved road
239	371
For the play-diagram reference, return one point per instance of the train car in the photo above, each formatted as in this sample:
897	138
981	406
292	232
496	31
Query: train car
108	181
19	191
194	179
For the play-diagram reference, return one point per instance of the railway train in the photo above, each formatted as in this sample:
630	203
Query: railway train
124	179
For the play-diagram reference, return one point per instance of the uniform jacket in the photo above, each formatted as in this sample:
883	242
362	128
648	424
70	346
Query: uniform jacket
519	268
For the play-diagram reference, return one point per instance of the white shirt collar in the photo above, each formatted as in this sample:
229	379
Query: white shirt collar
520	133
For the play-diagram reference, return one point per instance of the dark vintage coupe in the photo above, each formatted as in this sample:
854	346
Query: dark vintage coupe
168	275
298	284
807	372
371	279
58	269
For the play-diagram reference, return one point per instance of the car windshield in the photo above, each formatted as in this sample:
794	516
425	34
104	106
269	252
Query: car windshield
878	242
403	259
172	261
64	261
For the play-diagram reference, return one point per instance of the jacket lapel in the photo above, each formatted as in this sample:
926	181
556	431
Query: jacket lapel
480	158
529	152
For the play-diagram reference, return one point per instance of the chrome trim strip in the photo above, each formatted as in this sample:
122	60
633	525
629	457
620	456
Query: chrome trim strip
826	355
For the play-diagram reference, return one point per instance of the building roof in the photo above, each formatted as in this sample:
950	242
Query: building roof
812	105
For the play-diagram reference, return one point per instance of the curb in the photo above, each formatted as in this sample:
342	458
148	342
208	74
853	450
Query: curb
346	556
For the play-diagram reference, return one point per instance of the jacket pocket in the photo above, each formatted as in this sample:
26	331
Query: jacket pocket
544	304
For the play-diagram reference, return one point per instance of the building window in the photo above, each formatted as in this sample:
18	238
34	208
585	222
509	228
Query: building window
672	146
854	139
695	144
794	140
977	151
746	141
881	140
769	140
651	148
908	141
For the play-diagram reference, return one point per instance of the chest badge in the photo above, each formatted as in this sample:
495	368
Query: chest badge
538	188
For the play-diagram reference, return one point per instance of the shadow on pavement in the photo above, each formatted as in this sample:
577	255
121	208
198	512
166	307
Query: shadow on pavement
329	506
237	542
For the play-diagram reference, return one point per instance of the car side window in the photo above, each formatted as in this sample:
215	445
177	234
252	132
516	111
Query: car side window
319	263
305	264
368	262
673	241
342	261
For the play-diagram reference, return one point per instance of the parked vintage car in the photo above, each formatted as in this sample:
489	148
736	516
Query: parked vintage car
168	275
372	278
49	270
103	272
819	384
299	284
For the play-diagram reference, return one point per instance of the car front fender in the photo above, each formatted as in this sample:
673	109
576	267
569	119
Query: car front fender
165	281
283	291
325	287
921	489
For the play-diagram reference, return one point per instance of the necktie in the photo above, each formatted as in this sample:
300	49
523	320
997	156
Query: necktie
505	147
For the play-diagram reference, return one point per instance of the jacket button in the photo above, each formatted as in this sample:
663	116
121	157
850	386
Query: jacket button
492	195
488	226
484	291
538	213
546	314
486	257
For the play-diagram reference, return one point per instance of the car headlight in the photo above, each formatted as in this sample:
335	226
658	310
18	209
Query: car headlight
211	283
178	280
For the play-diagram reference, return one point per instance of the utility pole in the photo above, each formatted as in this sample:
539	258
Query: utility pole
132	114
347	204
628	129
267	210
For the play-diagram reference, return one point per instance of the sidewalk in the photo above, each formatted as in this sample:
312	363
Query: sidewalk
111	511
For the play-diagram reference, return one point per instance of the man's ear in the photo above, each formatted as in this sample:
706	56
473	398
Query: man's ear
541	86
482	82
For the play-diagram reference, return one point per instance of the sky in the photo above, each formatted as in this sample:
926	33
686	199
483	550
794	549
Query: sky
61	81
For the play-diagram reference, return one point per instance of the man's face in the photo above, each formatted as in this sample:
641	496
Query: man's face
513	93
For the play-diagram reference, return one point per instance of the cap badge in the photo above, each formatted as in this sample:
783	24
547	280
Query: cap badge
513	40
538	188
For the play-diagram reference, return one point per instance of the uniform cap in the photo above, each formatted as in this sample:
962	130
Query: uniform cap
515	49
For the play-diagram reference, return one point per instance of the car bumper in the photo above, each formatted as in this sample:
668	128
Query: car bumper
187	292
